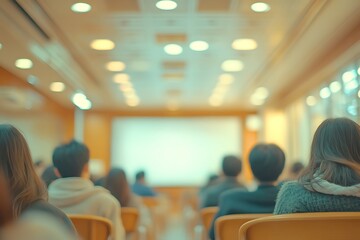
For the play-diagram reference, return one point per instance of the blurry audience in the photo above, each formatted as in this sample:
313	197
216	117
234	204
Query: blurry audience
293	173
27	191
140	187
331	181
231	168
49	175
39	166
210	182
267	162
74	193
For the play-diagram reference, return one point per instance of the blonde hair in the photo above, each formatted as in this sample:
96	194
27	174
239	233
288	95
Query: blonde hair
17	166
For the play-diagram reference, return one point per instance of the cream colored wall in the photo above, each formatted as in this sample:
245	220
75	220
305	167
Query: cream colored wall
43	132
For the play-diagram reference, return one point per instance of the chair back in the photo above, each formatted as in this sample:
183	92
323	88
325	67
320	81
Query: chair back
150	202
299	226
227	227
130	217
91	227
207	215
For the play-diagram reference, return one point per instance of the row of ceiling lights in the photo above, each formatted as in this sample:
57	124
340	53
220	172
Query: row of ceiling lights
350	83
79	99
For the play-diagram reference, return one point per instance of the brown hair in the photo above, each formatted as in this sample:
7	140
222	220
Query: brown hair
17	167
335	154
117	184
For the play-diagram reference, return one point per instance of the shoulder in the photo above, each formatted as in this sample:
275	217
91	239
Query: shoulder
233	194
291	198
105	196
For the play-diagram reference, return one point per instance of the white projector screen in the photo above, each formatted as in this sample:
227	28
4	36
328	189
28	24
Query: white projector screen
174	151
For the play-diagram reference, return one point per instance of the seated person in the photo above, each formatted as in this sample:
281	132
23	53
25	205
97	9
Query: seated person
267	162
231	168
294	172
26	190
74	193
331	180
140	188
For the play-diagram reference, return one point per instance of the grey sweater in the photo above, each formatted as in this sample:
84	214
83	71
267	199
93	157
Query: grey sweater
294	198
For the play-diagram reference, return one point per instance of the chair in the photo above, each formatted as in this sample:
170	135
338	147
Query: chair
91	227
207	215
299	226
227	227
129	217
150	202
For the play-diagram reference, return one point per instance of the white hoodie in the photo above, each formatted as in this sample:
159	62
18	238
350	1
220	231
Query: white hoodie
79	196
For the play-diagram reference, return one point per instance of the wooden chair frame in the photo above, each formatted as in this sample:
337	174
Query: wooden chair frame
86	226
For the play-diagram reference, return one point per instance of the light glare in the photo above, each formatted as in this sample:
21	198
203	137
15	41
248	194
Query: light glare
260	7
102	44
310	100
199	45
166	5
173	49
81	7
57	86
232	65
115	66
244	44
23	63
335	87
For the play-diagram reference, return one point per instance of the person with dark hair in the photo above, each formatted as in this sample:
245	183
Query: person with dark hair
267	162
27	192
140	188
231	168
49	175
331	180
74	193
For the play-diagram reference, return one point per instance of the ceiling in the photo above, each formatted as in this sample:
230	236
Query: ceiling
291	38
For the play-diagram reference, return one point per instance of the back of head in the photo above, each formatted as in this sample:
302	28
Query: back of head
267	162
117	184
231	166
48	176
139	176
70	159
17	167
335	153
296	168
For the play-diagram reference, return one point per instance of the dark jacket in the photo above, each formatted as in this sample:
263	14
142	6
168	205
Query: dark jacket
238	201
210	197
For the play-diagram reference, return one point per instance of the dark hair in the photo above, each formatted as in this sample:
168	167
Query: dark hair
231	166
117	184
70	159
335	153
267	162
6	215
48	175
140	175
17	167
296	168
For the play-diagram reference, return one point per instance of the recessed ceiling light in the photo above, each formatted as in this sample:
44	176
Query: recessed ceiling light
325	92
226	78
255	100
23	63
215	100
260	7
311	100
199	45
232	66
102	44
166	4
81	7
115	66
81	101
348	76
173	49
244	44
335	86
57	86
261	93
126	88
1	45
132	102
121	78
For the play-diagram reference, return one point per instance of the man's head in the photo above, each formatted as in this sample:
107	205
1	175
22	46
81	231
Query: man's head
231	166
267	162
140	176
71	159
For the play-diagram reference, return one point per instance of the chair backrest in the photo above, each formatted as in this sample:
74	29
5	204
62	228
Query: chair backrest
299	226
130	217
227	227
91	227
150	202
207	215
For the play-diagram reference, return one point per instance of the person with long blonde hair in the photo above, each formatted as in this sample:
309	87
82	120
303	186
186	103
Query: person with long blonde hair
28	193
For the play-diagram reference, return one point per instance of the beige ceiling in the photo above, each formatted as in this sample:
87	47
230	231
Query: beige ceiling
291	38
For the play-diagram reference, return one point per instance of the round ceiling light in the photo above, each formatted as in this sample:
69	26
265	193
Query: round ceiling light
102	44
311	101
173	49
232	65
115	66
260	7
166	5
57	86
81	7
226	79
121	78
199	46
244	44
335	87
23	63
